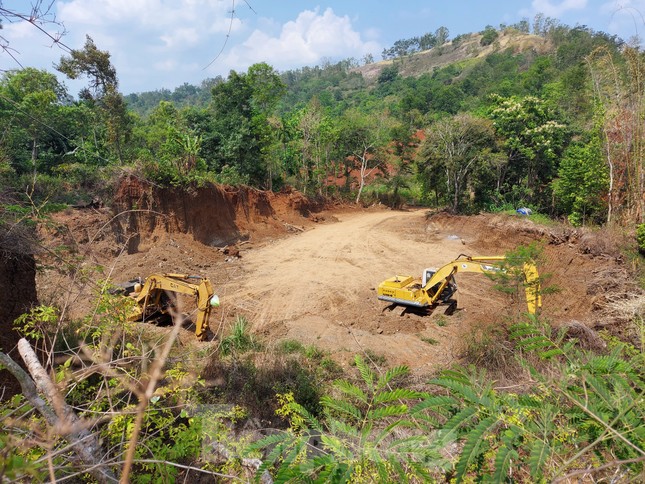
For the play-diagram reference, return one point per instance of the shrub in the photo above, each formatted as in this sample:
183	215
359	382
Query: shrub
640	238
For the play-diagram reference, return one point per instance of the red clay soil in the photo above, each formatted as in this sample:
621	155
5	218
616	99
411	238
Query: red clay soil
300	271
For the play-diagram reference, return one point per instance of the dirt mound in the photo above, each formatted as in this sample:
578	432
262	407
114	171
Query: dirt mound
215	215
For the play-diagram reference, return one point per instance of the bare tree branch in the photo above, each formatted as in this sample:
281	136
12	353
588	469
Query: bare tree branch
65	421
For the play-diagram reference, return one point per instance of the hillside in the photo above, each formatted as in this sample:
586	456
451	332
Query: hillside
462	53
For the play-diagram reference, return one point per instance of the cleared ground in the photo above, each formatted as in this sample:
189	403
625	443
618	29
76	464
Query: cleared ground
317	283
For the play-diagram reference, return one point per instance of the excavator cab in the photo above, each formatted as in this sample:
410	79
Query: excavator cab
447	292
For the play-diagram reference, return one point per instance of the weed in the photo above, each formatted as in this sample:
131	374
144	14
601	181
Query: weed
442	321
375	358
239	340
430	341
290	346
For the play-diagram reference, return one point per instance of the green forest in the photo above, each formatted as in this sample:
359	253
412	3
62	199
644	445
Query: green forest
551	121
549	117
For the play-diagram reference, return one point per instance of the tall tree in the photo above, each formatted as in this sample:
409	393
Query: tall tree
102	91
29	100
363	139
456	145
533	138
242	107
619	92
580	190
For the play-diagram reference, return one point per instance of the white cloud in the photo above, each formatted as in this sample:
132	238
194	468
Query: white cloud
558	9
306	40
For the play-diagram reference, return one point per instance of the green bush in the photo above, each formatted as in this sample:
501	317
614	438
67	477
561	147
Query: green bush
640	238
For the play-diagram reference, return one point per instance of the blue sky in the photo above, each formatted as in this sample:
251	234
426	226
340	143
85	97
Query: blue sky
163	43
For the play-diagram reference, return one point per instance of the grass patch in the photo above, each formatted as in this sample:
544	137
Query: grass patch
376	358
430	341
290	346
442	322
239	340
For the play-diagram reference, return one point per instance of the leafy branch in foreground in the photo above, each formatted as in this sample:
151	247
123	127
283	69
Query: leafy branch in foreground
579	411
366	434
582	409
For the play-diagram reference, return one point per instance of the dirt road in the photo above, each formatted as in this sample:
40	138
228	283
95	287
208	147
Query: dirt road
318	287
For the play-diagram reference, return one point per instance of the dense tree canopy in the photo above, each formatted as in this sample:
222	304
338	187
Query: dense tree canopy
330	130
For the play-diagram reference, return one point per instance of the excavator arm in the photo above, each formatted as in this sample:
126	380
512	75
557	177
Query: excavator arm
150	296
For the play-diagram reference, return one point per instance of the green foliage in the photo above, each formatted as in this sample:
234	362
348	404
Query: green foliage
453	149
580	407
489	35
360	437
582	184
37	323
239	340
640	238
534	138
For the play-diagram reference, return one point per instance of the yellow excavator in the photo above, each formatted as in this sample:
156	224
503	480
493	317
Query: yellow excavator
437	286
153	300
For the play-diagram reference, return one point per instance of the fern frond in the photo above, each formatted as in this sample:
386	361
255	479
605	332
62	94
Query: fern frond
351	390
439	403
319	465
391	374
311	420
388	430
607	364
337	447
388	411
270	441
459	419
464	390
366	373
520	330
599	387
366	432
339	427
341	406
535	342
285	472
334	471
457	375
553	352
397	394
503	460
271	458
473	446
540	451
420	470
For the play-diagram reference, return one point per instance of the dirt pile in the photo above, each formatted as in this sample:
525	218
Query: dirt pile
215	215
